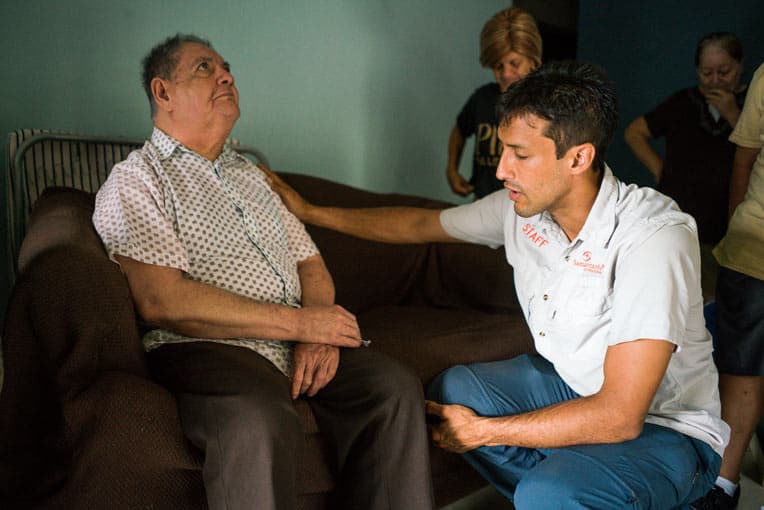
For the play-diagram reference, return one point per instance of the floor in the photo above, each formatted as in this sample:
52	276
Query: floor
751	492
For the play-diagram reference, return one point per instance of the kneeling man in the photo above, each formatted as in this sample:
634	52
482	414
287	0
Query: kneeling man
619	409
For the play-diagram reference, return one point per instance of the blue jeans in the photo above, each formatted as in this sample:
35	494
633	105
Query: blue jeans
662	468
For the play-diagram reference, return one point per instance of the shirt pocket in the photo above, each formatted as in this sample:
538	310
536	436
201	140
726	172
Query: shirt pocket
586	302
582	315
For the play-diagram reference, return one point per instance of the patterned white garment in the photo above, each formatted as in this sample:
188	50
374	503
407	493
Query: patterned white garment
218	222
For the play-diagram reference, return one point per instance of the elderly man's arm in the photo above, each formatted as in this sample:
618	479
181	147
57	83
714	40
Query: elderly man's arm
166	299
633	372
314	364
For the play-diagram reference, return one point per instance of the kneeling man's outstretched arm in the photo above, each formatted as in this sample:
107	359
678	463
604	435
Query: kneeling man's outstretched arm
384	224
616	413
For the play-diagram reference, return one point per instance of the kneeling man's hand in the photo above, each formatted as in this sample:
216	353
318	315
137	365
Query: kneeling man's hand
292	200
458	431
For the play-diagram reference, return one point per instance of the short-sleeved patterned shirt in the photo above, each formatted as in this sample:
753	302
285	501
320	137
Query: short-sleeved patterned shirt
218	222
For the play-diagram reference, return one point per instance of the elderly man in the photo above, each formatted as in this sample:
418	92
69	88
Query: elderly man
620	408
244	309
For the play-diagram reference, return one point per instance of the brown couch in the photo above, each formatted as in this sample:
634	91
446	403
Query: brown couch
84	426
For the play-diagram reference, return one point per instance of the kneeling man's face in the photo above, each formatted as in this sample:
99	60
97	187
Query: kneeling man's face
535	178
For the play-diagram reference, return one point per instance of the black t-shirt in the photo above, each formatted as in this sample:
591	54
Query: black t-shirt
478	117
698	162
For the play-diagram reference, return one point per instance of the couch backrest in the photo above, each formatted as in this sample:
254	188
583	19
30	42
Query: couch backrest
367	274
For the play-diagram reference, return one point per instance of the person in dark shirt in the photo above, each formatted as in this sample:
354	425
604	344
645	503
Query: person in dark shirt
696	123
510	45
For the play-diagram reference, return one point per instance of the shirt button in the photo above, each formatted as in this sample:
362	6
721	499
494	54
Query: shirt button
546	296
567	258
541	333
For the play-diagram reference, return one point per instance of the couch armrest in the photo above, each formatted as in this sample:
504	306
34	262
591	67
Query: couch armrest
60	216
70	319
83	316
80	302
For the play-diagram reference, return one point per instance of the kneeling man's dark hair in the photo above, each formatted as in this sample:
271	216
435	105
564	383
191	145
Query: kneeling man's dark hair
576	98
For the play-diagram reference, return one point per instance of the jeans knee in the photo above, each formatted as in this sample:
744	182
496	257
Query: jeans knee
570	486
453	386
541	490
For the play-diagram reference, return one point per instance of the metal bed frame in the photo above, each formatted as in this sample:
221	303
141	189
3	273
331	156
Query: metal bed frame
40	159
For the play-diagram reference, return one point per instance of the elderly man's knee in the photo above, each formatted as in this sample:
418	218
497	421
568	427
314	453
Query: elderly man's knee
405	390
393	380
259	418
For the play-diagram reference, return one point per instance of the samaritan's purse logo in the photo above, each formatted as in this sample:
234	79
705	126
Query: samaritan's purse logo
587	264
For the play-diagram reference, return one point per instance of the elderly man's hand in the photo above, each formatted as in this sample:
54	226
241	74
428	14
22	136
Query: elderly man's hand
314	367
330	325
292	200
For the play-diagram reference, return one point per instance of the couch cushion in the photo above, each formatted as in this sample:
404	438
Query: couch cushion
429	340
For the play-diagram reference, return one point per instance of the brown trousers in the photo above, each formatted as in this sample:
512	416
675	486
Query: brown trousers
236	407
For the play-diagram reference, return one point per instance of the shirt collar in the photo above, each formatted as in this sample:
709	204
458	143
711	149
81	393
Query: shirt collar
166	146
601	221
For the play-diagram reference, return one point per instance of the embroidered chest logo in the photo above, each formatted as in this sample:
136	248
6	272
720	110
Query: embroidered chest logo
587	264
534	236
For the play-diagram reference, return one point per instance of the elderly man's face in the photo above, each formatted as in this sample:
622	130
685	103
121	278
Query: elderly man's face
202	88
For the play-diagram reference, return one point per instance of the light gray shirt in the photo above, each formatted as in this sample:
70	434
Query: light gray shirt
632	273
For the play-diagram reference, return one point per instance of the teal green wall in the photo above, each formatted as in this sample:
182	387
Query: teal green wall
361	92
